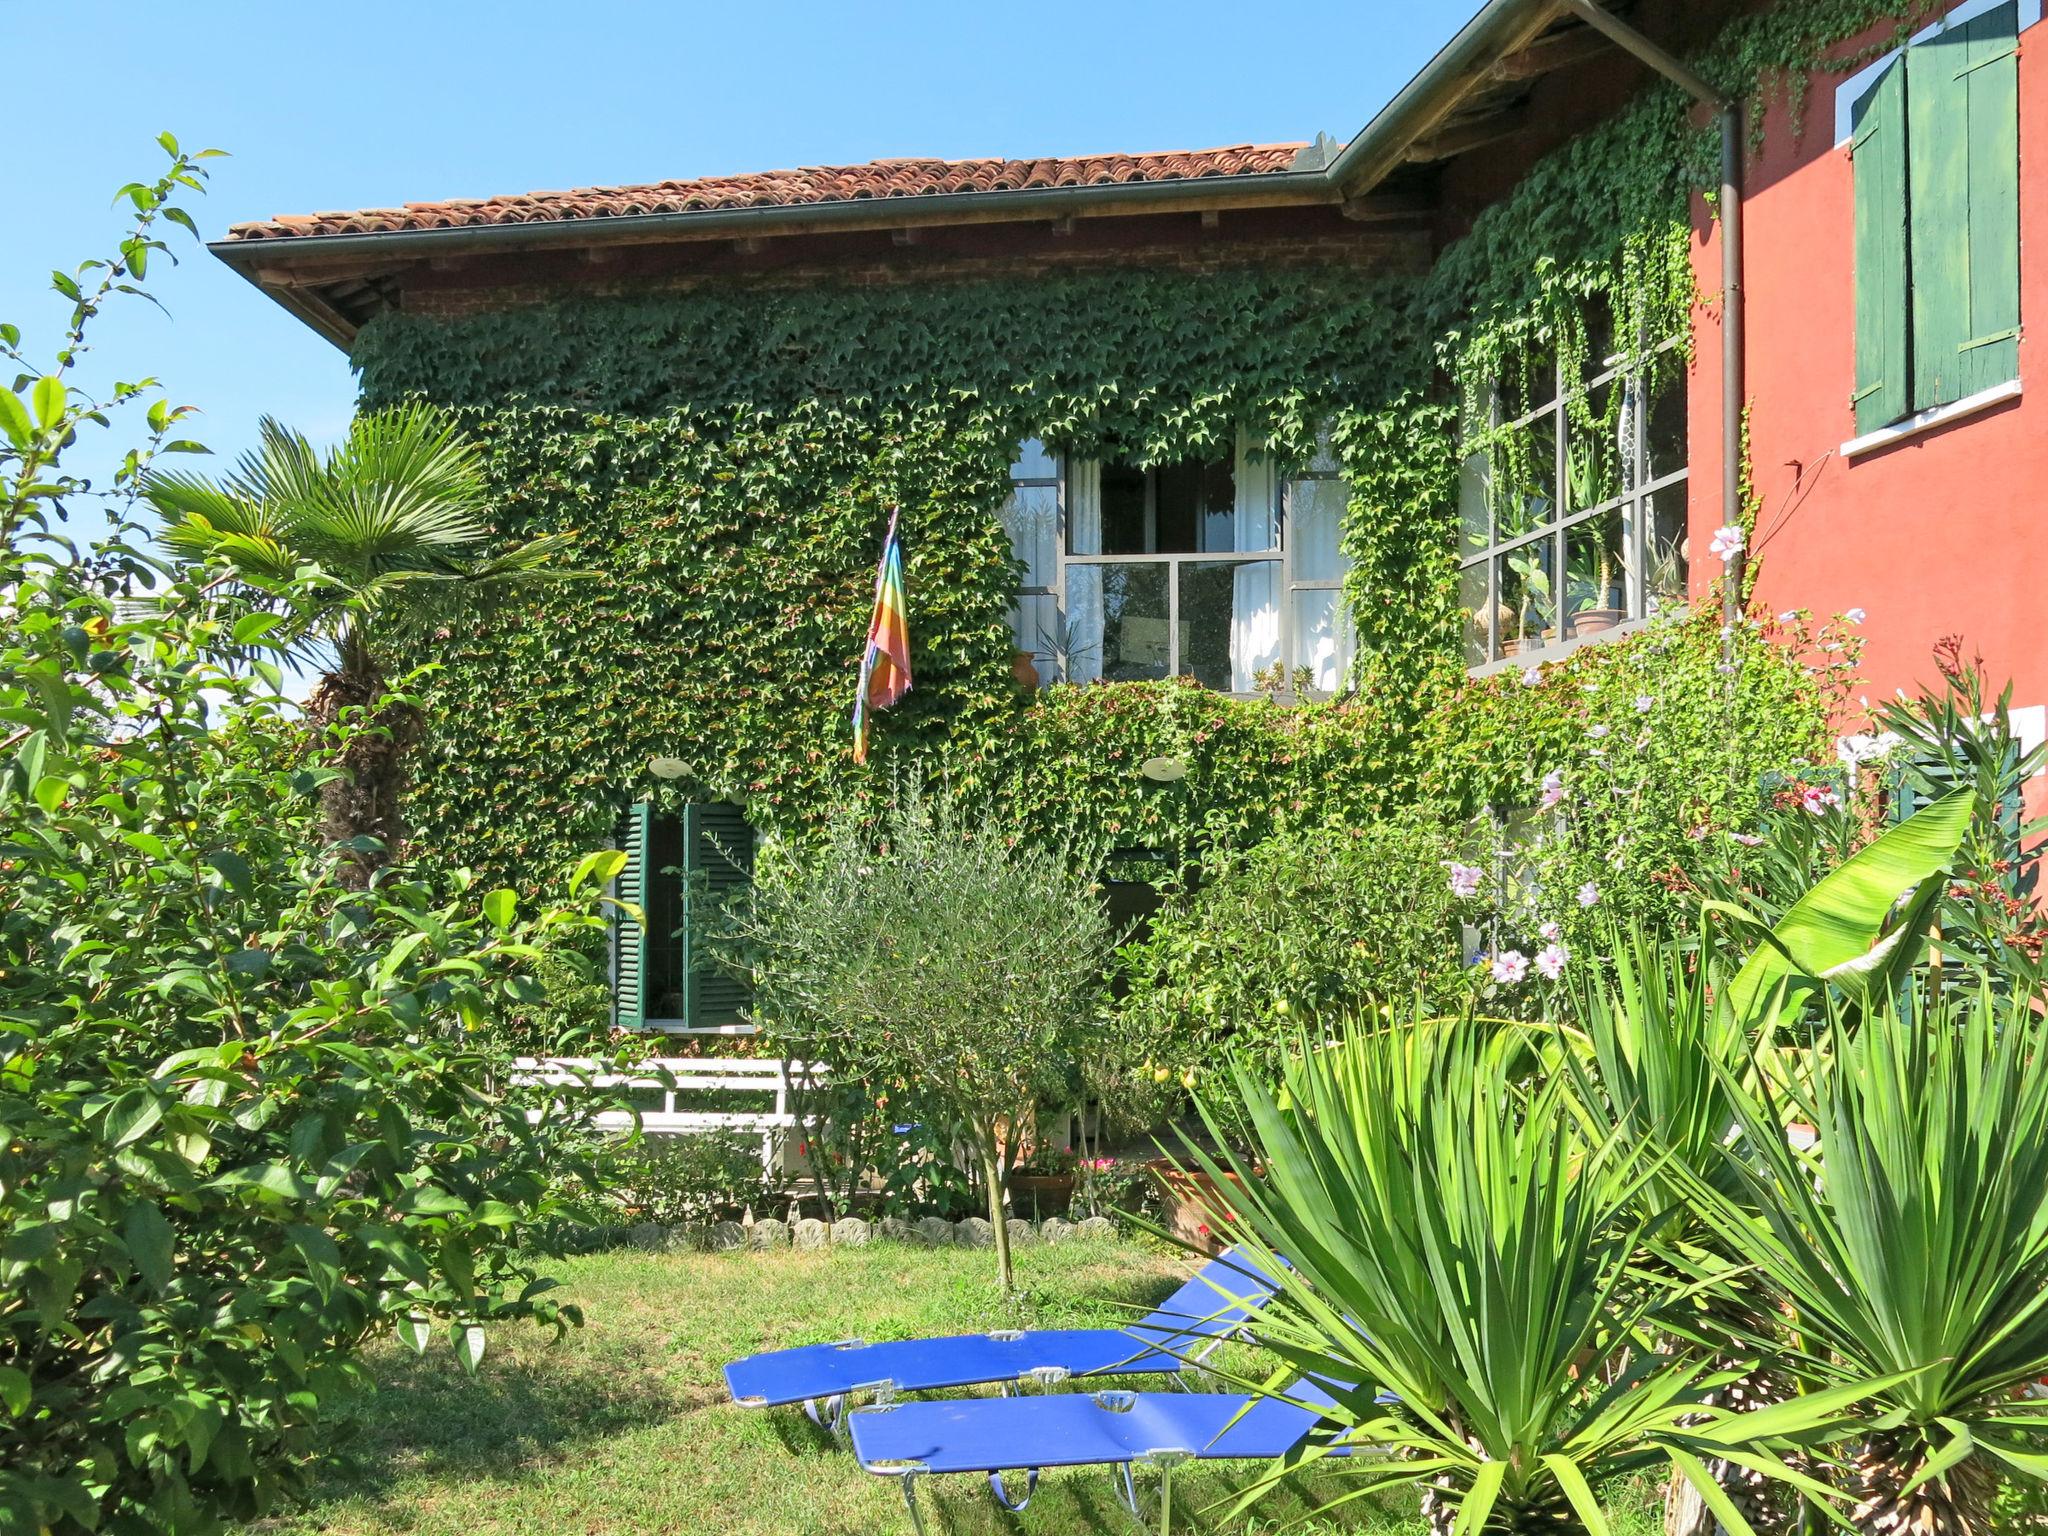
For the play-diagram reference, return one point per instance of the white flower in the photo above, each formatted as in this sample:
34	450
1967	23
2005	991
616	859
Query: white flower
1788	615
1589	895
1532	678
1645	702
1551	959
1855	615
1727	542
1550	933
1596	732
1465	879
1866	747
1510	968
1747	839
1553	789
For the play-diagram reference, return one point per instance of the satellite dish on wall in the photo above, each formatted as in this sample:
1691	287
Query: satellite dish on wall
1164	770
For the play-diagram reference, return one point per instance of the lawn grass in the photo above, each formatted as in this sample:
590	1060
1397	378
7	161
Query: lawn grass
624	1426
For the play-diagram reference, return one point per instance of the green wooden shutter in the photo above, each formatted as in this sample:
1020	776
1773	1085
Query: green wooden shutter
629	936
1878	158
719	847
1962	89
1990	354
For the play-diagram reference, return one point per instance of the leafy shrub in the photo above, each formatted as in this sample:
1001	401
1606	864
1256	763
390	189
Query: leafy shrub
245	1113
677	1179
1302	927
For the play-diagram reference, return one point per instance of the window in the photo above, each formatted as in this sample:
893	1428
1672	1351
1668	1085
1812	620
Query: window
662	976
1134	572
1934	146
1582	479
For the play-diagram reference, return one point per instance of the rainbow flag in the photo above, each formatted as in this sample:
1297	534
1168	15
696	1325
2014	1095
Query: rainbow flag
885	667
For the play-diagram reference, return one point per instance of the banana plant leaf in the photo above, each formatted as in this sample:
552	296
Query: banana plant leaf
1831	931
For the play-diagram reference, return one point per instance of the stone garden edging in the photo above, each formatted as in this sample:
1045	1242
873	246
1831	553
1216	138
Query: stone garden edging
769	1234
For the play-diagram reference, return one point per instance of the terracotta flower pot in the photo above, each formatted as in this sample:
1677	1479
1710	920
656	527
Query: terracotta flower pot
1197	1209
1592	621
1024	668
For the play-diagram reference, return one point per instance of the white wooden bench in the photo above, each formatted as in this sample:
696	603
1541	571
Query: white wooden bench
685	1074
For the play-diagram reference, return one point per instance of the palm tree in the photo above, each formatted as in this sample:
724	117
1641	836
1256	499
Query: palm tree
376	539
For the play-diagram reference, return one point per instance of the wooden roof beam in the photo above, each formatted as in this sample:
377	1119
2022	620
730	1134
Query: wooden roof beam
1462	138
1560	50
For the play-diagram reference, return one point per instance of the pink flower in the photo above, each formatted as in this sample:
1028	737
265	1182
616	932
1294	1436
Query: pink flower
1553	789
1727	542
1532	678
1589	895
1818	799
1597	731
1551	961
1645	702
1511	968
1747	839
1550	933
1465	879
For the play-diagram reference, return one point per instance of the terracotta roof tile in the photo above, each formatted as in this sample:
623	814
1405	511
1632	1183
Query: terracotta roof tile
878	179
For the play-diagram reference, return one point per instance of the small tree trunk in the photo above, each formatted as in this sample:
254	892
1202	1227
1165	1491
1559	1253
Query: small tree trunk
992	1175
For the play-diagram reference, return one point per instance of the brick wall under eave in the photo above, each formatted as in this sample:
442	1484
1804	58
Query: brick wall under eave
1316	236
1939	534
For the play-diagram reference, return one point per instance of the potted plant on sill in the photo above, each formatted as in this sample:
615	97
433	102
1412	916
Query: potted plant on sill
1593	595
1527	563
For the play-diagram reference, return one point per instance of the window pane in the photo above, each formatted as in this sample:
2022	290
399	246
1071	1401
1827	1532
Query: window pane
1595	584
1599	335
1032	514
1197	504
1033	462
1034	621
1229	622
1528	609
1596	449
1315	528
1524	469
1118	614
1325	460
1666	426
1322	639
1665	554
1525	388
1472	600
1123	511
1475	490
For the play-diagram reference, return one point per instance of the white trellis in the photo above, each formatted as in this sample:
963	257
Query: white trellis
669	1076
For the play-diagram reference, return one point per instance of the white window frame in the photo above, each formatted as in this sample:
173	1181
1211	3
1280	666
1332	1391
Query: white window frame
1079	481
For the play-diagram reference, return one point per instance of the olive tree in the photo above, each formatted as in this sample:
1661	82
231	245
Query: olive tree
925	945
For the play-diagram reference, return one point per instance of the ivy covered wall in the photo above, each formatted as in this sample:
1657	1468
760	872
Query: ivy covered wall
725	455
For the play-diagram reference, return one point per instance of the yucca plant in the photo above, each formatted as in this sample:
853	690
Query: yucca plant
383	534
1455	1240
1911	1242
1660	1054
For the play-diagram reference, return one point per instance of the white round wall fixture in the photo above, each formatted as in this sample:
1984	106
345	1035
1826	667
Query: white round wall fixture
667	767
1164	770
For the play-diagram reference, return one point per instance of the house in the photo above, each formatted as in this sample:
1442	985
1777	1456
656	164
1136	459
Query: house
1486	367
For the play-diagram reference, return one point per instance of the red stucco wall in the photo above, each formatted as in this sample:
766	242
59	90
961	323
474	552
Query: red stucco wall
1944	533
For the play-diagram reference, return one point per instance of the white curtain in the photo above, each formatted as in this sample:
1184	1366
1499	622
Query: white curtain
1084	582
1255	588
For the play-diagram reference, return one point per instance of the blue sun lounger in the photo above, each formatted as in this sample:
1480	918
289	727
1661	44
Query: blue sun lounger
910	1440
1190	1322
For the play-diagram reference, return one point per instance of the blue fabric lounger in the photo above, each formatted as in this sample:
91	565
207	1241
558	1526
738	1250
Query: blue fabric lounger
1114	1429
1213	1303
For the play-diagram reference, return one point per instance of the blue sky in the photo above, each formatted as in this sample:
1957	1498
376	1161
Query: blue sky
380	103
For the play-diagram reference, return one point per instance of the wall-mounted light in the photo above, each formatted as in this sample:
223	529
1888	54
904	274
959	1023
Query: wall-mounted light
1164	770
667	767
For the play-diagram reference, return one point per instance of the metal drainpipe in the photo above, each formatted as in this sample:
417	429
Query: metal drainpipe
1734	388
